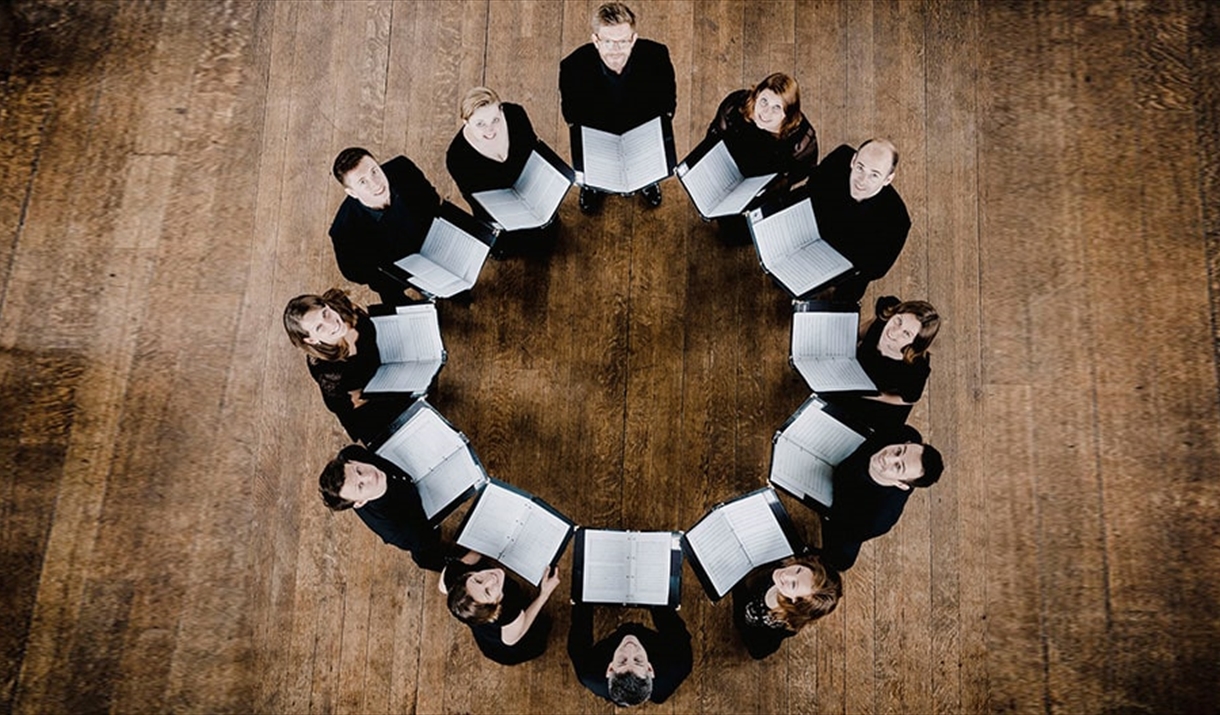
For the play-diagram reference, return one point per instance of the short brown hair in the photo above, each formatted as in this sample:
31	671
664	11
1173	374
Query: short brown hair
334	476
336	299
465	608
788	90
611	14
347	160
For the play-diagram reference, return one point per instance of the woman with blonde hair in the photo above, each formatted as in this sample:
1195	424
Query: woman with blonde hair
490	150
340	343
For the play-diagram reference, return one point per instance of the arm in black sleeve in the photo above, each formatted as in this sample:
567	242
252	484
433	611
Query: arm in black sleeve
676	663
329	376
804	152
667	87
589	672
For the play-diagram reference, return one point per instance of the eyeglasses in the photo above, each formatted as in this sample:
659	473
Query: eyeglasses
616	44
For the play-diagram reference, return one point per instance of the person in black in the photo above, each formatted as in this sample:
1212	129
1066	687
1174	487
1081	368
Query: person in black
859	213
634	663
341	344
615	83
774	602
871	488
385	500
489	152
894	353
384	218
766	132
508	627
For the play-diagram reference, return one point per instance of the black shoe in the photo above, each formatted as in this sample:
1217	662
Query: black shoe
652	194
590	200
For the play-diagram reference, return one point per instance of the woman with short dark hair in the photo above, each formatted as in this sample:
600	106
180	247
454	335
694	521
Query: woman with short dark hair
507	626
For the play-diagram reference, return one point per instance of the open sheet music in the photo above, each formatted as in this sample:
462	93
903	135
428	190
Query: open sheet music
737	536
632	568
436	457
517	529
627	162
716	185
792	250
451	257
808	448
533	198
824	351
411	350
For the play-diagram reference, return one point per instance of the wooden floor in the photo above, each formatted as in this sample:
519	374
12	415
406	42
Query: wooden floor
165	188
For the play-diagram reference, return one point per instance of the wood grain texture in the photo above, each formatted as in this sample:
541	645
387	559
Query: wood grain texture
165	189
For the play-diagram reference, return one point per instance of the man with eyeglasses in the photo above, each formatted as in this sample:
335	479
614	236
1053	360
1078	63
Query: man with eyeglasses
616	83
634	664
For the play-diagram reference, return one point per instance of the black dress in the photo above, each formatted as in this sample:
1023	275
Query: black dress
894	377
473	172
337	378
758	151
760	631
490	636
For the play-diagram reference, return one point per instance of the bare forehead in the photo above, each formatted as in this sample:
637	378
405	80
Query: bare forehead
876	157
621	31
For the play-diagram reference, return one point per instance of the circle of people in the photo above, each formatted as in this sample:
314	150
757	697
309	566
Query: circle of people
847	452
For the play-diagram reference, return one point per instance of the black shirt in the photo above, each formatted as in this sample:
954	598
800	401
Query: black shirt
398	515
594	96
490	636
366	239
758	151
473	172
869	233
668	648
338	378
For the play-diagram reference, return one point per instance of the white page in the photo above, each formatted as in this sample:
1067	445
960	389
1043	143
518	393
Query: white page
627	567
603	155
741	195
533	198
644	155
801	472
431	277
833	374
758	530
542	187
506	207
810	267
515	531
828	334
410	377
721	555
421	444
823	435
717	187
455	250
449	480
711	179
785	232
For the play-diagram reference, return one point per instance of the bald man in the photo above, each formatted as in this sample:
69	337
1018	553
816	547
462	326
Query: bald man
858	211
